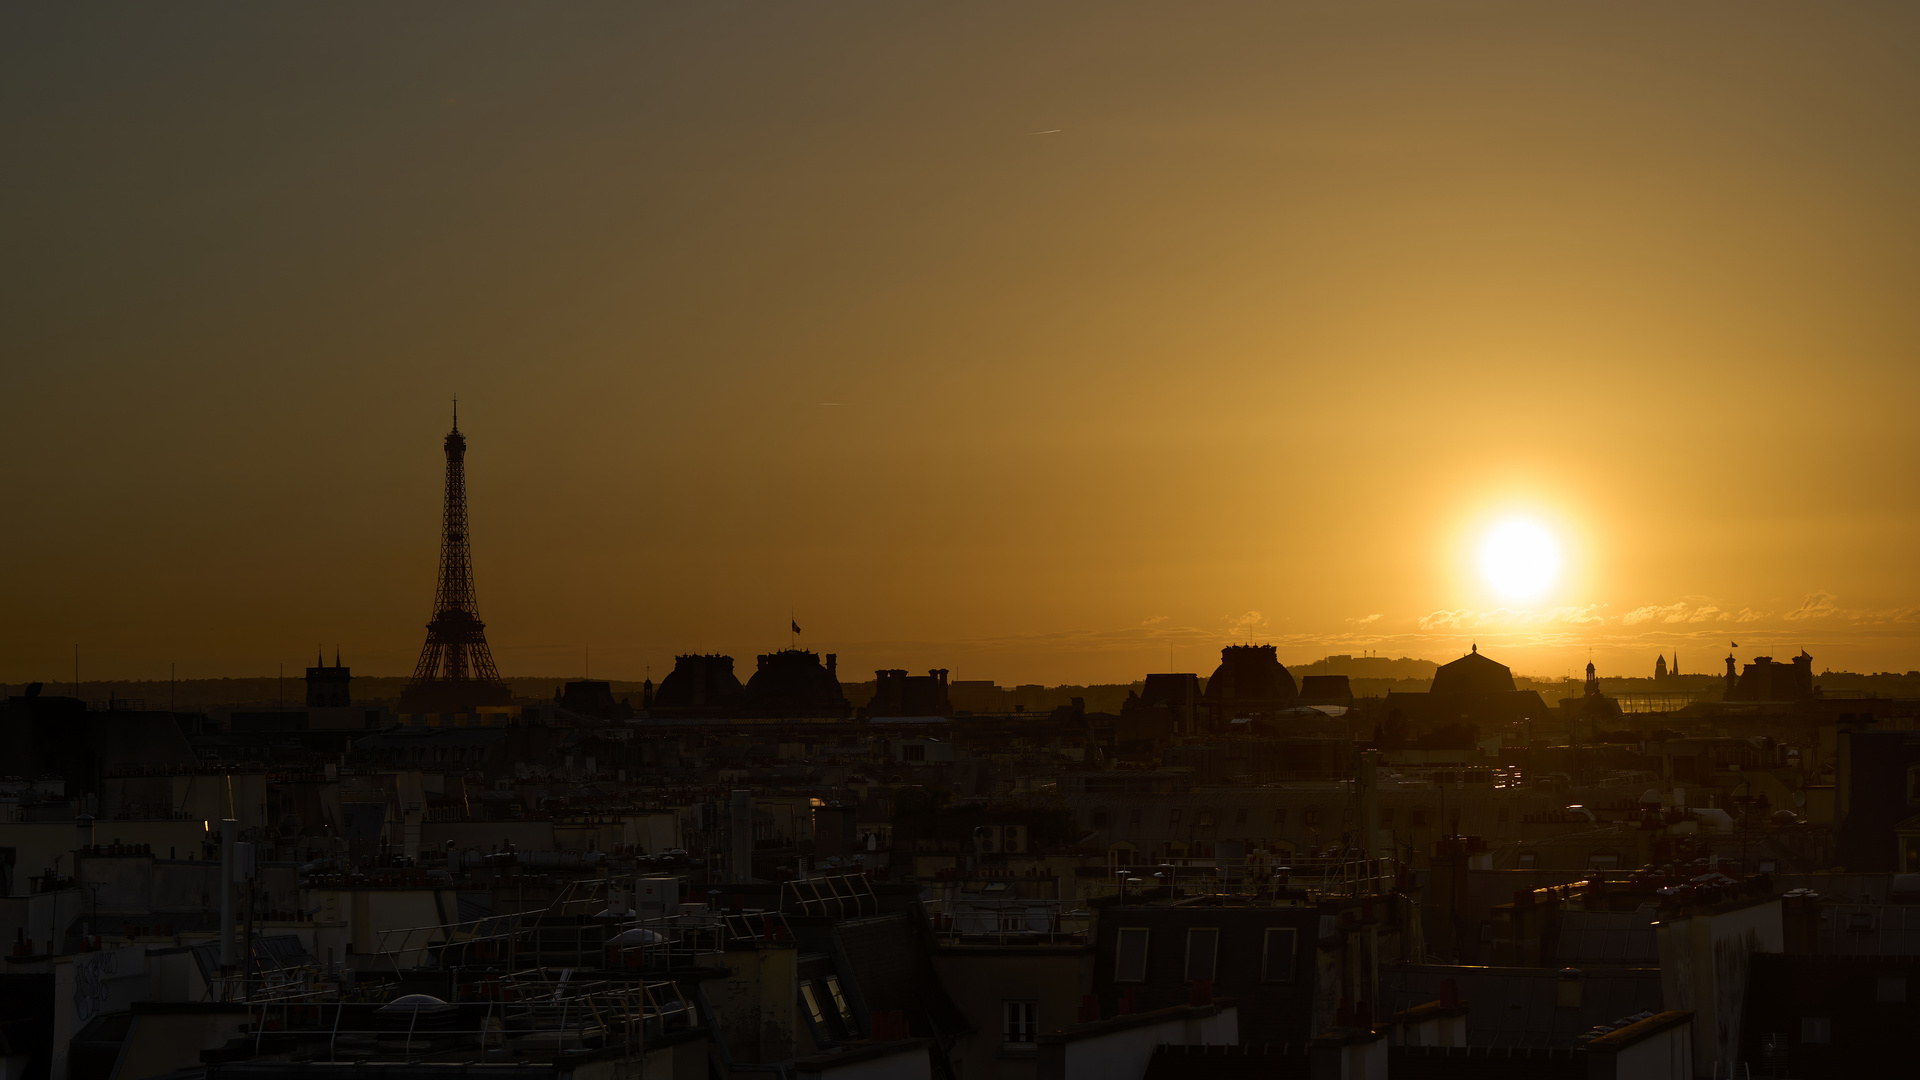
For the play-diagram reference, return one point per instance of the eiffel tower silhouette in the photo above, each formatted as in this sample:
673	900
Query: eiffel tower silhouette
455	673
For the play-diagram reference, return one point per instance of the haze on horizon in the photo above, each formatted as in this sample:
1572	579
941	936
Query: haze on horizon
1147	329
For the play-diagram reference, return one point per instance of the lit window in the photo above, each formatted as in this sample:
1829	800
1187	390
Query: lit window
1130	955
1020	1021
1203	949
813	1006
839	1000
1277	954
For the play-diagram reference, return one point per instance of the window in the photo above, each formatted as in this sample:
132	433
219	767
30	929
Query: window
1280	816
1133	818
1240	816
1502	817
1890	990
813	1005
1602	860
1310	816
1816	1029
839	1001
1020	1022
1527	859
1386	817
1099	819
1174	818
1130	955
1203	949
1277	954
1417	817
913	752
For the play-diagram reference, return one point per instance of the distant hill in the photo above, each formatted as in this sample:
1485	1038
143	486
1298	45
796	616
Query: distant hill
1368	667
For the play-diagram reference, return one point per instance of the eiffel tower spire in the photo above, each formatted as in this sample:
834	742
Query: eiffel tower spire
456	671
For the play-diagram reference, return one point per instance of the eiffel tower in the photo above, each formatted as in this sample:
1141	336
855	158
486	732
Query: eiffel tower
455	673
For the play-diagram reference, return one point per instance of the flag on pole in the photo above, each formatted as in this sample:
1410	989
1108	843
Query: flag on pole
1736	644
796	626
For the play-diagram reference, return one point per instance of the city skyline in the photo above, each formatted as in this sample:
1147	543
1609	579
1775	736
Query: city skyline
977	341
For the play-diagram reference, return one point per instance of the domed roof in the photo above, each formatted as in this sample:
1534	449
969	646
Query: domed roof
793	682
1473	674
1250	675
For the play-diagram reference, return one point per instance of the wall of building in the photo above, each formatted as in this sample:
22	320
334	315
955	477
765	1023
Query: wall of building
981	980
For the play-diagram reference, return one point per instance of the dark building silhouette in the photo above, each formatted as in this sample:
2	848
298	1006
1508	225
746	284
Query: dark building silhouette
1473	674
896	693
1325	690
592	697
698	685
329	687
1592	707
59	736
793	682
1167	704
1764	680
1659	667
1468	694
455	673
1249	682
1879	804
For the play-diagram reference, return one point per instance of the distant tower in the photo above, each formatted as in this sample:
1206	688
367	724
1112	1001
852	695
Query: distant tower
456	671
1733	680
1660	668
328	687
1593	681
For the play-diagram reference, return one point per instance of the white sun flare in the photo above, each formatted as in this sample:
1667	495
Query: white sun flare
1520	559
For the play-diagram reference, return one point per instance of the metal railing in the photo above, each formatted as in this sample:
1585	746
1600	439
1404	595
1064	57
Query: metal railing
1008	922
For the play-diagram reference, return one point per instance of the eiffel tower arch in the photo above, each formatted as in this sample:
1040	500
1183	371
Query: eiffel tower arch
455	674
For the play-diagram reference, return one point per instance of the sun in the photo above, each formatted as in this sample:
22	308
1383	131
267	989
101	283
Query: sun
1520	559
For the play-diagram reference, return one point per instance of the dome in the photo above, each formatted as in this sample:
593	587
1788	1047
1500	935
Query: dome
1250	675
793	682
1473	674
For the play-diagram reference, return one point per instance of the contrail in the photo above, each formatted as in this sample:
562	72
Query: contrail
1049	131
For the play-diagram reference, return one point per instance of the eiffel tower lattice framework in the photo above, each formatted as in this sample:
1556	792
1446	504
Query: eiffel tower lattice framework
455	674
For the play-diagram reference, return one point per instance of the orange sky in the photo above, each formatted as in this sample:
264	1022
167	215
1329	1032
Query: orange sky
1289	304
